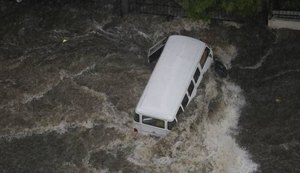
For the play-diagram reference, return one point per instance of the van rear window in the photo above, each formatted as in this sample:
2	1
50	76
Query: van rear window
153	122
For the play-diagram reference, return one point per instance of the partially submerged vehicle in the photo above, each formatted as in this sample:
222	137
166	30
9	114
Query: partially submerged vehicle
181	64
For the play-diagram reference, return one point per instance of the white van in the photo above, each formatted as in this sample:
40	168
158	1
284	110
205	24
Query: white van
181	63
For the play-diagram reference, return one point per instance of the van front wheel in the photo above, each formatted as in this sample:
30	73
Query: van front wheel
220	69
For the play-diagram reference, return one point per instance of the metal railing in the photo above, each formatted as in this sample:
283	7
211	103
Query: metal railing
286	14
172	9
285	9
156	7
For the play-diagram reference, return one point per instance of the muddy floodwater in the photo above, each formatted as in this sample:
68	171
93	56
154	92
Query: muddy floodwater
71	75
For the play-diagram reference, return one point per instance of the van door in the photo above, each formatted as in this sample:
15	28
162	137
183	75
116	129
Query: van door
156	50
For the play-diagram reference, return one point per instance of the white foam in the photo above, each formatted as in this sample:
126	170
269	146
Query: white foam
63	74
226	54
233	24
60	128
143	34
281	73
86	163
109	114
29	97
260	62
227	156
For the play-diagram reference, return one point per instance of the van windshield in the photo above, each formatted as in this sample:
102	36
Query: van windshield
153	122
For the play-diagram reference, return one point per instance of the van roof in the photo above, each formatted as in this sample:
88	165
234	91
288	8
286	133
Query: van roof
170	78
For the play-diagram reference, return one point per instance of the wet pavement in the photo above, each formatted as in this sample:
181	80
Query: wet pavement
71	75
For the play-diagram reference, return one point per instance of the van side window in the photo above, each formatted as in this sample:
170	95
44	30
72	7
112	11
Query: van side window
171	124
179	111
185	101
153	121
204	57
196	75
191	88
136	117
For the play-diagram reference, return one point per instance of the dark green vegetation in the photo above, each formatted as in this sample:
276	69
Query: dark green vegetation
205	8
292	5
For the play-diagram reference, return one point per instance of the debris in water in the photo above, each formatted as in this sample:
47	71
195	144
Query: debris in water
277	100
64	40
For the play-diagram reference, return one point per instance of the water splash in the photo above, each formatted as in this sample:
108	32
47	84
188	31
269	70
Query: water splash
226	54
203	142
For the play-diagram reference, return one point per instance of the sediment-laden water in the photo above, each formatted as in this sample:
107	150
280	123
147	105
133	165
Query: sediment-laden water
70	81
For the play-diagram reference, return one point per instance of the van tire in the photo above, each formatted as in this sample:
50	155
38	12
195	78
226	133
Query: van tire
220	69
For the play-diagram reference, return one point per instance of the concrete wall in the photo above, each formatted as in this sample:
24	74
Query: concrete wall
277	23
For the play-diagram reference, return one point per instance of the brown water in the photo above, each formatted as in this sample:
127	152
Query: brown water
71	78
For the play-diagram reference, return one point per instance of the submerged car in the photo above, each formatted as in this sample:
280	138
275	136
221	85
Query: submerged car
181	64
